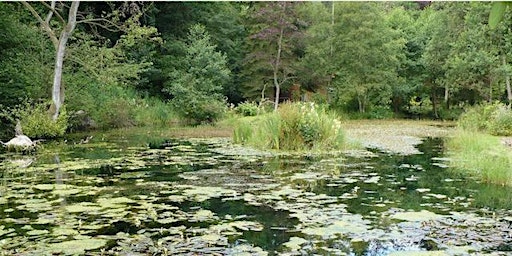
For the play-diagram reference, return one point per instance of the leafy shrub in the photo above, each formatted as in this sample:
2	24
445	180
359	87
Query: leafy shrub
247	109
153	112
501	122
493	118
476	118
379	112
199	110
451	114
420	105
118	113
295	126
37	122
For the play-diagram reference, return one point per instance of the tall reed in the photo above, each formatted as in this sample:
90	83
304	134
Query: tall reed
295	126
482	156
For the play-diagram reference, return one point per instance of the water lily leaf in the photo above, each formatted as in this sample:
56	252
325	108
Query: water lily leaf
423	190
203	193
422	215
374	180
437	196
176	198
247	225
203	215
77	246
116	202
418	253
295	243
64	232
212	238
37	232
337	228
85	207
4	231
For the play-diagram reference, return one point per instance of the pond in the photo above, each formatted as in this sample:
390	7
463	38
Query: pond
209	197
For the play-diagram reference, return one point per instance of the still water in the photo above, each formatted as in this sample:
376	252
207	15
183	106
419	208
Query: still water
209	197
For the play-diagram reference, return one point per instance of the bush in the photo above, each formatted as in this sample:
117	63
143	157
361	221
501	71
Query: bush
495	119
477	118
379	112
118	113
296	126
501	122
36	121
247	109
199	110
154	112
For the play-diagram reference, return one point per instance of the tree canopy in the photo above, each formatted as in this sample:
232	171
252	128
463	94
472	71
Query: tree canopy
370	58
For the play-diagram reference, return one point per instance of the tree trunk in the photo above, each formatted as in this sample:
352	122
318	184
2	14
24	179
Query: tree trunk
447	97
276	69
507	83
60	48
57	95
433	98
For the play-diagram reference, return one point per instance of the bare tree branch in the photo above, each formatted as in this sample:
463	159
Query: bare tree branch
44	24
53	10
113	27
50	13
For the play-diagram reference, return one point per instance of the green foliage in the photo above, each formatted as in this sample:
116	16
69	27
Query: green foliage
36	121
501	121
247	109
154	112
380	112
419	106
197	84
295	126
25	58
495	119
497	13
482	156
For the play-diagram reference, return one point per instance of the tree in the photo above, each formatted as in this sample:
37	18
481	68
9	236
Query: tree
273	35
196	84
317	65
59	42
367	53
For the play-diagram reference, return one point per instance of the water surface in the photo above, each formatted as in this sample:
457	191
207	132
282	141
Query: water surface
206	196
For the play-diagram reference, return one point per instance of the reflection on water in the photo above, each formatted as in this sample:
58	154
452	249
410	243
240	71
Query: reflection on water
209	197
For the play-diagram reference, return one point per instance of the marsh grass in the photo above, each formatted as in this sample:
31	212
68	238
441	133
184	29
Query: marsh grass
295	126
482	156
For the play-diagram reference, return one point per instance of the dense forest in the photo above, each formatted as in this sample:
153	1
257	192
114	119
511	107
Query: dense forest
151	63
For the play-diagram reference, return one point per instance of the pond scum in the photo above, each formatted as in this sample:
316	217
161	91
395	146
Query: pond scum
210	197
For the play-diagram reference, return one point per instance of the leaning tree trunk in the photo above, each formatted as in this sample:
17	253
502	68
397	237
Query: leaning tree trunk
57	95
276	69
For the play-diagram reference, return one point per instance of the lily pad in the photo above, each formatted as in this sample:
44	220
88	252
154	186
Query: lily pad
418	253
422	215
85	207
37	232
77	246
295	243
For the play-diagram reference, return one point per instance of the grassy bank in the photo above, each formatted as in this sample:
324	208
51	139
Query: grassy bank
482	156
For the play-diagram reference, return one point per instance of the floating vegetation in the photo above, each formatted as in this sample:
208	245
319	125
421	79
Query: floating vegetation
203	196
